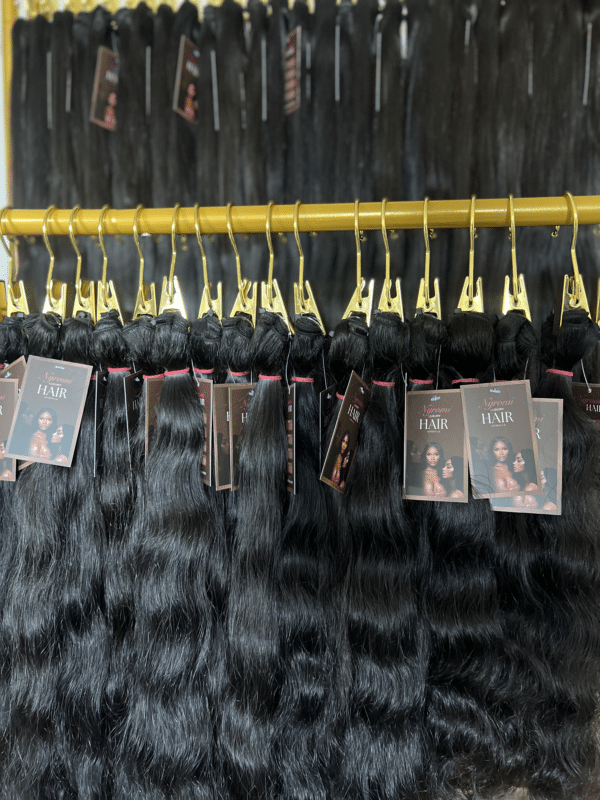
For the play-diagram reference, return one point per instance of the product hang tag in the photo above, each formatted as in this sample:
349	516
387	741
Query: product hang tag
221	435
290	430
100	383
342	447
498	418
204	388
9	389
49	411
15	370
103	109
185	102
292	97
587	397
241	396
154	387
548	419
327	404
435	456
132	389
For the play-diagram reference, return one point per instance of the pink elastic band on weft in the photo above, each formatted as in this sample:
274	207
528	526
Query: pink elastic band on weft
270	377
419	382
565	373
113	370
303	380
466	380
93	378
204	371
177	372
151	377
387	384
237	374
339	396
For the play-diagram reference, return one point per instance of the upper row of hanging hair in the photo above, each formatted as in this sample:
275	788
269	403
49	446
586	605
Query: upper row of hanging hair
101	297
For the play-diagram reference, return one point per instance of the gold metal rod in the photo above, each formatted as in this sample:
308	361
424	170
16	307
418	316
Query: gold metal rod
490	213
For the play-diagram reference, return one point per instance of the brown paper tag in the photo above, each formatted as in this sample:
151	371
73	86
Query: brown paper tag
15	370
548	417
342	447
290	429
435	456
293	69
587	398
101	379
221	435
103	110
9	390
204	387
240	400
49	411
185	101
154	387
498	418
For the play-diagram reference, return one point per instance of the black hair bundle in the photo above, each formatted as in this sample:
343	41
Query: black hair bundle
167	742
384	745
256	156
253	625
302	745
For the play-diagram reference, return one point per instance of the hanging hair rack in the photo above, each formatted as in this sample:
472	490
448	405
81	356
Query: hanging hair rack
489	213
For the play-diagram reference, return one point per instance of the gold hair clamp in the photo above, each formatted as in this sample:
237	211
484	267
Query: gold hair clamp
302	304
360	304
469	300
207	303
426	304
145	304
245	303
85	295
171	297
386	301
56	291
107	297
517	299
572	296
270	296
18	297
3	287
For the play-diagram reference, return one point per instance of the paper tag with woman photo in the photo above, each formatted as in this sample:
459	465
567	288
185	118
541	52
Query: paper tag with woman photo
548	416
435	459
499	423
48	415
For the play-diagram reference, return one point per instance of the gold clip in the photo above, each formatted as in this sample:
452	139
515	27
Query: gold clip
56	291
207	303
359	303
470	301
426	304
107	297
572	295
18	297
145	304
3	287
271	298
245	303
302	304
386	301
85	295
171	297
517	299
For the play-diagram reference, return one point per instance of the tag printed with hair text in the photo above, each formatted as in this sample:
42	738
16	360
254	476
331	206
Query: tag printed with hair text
9	390
204	388
498	418
435	458
587	398
548	419
103	109
344	440
290	432
241	396
221	435
49	410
